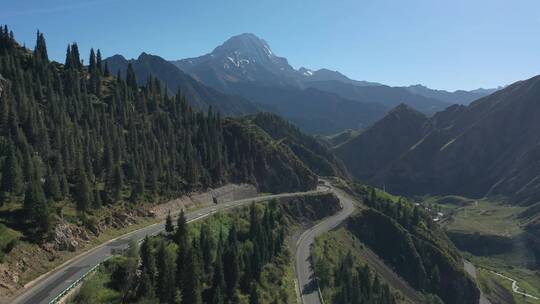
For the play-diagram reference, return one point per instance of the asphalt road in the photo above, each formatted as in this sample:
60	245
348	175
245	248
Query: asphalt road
307	284
56	282
471	270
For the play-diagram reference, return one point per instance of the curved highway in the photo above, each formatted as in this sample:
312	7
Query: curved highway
54	283
307	285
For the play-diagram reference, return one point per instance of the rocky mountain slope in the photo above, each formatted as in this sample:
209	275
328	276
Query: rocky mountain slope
491	147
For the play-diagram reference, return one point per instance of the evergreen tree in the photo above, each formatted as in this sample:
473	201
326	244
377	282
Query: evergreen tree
82	192
147	268
12	179
52	186
40	51
206	246
231	264
92	67
75	57
37	209
99	62
131	79
169	227
217	291
117	183
68	62
181	234
165	286
191	289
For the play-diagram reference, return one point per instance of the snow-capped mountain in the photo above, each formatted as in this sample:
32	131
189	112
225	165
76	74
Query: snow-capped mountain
248	58
242	58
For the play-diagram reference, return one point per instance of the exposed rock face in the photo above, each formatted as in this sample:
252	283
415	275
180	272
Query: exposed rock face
68	237
491	147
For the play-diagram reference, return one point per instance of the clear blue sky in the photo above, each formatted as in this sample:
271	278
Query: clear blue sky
461	44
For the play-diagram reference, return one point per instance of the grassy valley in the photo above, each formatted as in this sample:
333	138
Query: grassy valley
493	234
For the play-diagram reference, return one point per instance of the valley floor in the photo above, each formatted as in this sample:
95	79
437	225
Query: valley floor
492	237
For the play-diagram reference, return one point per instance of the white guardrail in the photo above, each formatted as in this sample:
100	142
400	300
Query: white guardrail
74	284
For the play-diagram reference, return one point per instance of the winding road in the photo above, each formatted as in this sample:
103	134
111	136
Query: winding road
308	289
48	287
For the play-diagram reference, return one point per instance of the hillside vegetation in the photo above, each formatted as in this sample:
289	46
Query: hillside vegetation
407	239
234	257
310	150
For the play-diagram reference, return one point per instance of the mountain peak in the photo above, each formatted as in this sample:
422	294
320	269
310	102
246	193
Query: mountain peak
404	111
245	45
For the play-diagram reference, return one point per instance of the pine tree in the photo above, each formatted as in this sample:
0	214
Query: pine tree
92	61
52	186
181	234
181	238
82	192
206	248
12	179
165	288
40	51
231	264
217	291
75	57
99	62
36	209
117	183
147	268
191	289
68	63
169	227
131	79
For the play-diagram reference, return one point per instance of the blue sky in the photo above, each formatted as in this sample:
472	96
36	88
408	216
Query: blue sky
442	44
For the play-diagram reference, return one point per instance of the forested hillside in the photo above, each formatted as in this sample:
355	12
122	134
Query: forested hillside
75	136
408	240
239	256
310	150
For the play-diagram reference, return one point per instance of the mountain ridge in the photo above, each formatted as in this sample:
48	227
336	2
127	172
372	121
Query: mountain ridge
197	94
488	148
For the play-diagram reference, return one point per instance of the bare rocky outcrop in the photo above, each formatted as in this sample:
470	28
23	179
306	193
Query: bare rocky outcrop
223	194
67	236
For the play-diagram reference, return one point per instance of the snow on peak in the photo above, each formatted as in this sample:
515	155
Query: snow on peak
267	50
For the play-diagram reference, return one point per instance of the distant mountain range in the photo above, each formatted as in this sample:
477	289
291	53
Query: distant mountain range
244	75
459	96
491	147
